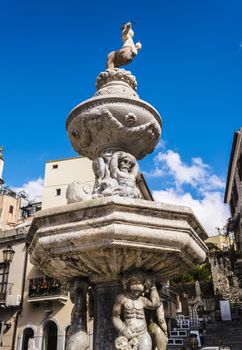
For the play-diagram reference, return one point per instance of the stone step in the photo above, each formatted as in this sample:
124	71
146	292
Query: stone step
227	333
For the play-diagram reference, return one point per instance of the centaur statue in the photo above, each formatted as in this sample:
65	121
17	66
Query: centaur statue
128	51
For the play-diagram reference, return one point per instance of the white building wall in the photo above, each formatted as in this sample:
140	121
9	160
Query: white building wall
59	174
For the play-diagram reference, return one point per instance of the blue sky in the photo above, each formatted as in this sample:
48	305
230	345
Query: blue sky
189	68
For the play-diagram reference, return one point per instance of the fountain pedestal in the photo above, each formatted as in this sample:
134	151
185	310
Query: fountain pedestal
102	238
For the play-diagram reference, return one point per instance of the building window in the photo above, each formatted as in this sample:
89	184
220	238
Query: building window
55	166
4	271
58	191
50	336
27	334
11	209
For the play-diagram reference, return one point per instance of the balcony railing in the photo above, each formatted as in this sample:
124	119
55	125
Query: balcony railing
47	288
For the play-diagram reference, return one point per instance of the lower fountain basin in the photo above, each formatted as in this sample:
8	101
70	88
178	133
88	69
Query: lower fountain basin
103	237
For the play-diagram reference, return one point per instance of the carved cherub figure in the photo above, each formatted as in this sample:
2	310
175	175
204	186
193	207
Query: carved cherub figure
129	312
124	168
128	51
116	174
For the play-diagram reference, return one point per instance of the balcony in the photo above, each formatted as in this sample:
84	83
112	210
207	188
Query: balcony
47	289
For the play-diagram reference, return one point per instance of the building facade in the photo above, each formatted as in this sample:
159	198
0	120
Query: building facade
233	194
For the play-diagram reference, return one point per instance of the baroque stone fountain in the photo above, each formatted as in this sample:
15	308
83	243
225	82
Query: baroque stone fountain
111	240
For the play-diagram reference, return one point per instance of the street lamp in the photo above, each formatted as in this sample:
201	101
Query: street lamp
8	254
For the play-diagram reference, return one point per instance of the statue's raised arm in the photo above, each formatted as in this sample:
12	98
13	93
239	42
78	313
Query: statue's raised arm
128	51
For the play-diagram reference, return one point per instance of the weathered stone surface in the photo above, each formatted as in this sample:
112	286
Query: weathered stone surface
114	119
77	337
116	81
103	237
104	331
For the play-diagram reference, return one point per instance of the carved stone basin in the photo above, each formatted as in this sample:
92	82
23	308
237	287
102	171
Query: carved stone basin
115	118
103	237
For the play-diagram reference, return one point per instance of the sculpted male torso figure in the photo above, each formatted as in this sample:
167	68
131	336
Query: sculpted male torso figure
129	313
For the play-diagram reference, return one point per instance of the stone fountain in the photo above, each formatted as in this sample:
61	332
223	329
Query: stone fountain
112	235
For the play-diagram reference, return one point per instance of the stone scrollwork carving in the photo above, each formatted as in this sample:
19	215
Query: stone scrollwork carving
77	337
129	311
116	174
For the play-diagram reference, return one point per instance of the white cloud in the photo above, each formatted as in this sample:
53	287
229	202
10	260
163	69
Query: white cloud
198	174
157	172
210	210
207	188
33	188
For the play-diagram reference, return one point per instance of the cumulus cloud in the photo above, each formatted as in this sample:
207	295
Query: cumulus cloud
210	210
198	174
206	189
33	188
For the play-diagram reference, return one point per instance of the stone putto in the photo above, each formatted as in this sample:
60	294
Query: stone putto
130	318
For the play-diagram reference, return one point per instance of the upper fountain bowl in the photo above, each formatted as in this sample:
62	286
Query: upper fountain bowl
115	118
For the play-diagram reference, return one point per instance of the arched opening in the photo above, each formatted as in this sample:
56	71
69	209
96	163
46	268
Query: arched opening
50	336
27	334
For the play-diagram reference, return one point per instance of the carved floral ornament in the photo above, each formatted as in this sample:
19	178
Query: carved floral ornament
116	74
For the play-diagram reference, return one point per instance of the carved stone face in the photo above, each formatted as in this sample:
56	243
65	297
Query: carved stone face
130	119
126	164
136	287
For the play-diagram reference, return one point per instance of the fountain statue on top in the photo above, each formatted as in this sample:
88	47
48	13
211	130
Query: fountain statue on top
111	236
128	51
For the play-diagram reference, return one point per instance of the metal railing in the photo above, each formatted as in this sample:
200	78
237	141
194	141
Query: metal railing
46	286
